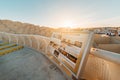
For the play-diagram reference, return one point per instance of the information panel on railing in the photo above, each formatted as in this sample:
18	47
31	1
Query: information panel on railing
68	49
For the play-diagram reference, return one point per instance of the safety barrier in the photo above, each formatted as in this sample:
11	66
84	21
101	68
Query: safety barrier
98	67
102	65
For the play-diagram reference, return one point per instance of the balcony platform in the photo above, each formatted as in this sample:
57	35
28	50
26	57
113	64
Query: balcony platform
27	64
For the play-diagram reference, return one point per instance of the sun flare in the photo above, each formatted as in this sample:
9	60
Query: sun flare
69	23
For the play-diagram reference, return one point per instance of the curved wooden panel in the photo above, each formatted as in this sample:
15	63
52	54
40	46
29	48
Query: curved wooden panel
34	42
13	38
21	40
27	41
42	45
5	37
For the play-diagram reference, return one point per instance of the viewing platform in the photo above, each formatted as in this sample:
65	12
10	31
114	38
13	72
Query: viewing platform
86	56
28	64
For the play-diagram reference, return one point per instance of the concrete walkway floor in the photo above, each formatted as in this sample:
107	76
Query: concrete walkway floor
27	64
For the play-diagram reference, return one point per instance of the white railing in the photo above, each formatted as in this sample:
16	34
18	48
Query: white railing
107	55
37	42
101	65
100	69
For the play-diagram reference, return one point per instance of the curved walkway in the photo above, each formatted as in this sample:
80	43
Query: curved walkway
27	64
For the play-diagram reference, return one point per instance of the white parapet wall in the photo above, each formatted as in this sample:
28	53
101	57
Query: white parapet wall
101	64
34	41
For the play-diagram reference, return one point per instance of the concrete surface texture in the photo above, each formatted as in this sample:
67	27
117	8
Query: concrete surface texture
27	64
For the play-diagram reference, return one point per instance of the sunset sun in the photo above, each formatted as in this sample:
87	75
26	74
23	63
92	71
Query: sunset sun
69	23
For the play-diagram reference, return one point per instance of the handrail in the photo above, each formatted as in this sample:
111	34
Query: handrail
107	55
26	35
104	61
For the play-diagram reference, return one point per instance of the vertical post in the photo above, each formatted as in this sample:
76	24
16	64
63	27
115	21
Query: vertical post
9	38
85	55
30	41
38	43
23	40
16	38
0	35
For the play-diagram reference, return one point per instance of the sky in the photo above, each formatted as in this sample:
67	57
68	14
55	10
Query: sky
62	13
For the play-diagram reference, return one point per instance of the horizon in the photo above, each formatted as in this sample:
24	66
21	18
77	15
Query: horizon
62	13
61	27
